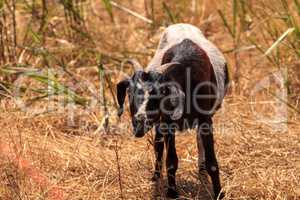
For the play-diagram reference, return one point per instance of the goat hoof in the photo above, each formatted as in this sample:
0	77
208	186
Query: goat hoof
220	196
155	177
172	193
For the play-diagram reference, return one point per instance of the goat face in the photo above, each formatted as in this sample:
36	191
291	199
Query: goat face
144	98
149	97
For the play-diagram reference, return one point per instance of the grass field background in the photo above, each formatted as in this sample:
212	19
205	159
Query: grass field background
60	136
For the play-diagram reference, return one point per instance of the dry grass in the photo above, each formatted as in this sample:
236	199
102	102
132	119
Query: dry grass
45	154
255	162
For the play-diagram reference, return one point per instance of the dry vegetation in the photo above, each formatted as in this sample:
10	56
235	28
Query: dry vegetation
61	139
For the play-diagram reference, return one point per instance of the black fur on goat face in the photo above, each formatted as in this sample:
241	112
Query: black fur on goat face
150	96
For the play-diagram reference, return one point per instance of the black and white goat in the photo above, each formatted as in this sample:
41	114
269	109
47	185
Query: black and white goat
181	88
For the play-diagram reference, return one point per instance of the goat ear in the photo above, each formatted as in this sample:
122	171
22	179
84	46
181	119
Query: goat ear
121	94
177	101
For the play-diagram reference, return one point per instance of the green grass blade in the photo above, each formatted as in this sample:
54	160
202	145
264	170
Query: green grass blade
101	74
169	13
279	40
35	36
225	22
1	5
56	88
4	88
297	4
235	15
108	7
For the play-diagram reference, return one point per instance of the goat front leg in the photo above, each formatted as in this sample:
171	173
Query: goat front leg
159	150
211	164
171	163
201	160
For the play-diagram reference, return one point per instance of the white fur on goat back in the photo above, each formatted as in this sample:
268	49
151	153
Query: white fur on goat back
175	34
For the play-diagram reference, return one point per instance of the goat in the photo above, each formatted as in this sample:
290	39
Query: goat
181	88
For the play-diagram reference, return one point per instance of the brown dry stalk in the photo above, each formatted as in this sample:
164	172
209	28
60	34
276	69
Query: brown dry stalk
119	169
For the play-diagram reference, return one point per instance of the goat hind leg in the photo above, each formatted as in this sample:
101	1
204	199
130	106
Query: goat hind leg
211	163
202	173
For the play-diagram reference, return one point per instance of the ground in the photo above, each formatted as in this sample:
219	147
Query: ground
72	162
